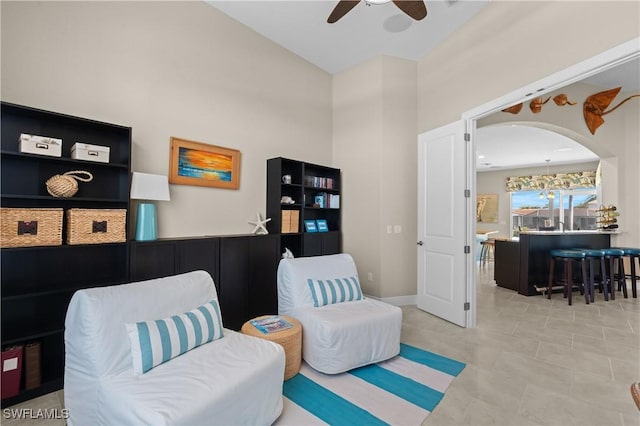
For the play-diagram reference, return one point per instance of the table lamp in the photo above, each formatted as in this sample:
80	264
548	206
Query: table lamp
148	187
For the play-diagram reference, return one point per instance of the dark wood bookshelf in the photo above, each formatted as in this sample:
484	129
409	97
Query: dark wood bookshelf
38	282
308	180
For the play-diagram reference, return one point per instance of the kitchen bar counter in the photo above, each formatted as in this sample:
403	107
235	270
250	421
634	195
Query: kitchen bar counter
506	255
523	264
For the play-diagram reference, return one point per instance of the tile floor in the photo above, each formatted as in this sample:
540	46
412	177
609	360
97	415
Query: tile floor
530	361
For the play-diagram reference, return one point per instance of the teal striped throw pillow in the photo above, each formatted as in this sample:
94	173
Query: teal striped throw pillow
336	290
157	341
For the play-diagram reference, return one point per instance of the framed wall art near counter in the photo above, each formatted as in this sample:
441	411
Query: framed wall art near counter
487	208
200	164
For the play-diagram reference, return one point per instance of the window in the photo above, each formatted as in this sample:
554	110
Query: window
536	210
579	209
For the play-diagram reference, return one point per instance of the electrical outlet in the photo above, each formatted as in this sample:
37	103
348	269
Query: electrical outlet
397	229
389	229
370	276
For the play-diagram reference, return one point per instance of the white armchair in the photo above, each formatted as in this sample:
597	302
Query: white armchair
343	332
235	379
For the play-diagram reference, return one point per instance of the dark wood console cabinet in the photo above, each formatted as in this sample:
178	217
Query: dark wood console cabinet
170	256
248	267
243	268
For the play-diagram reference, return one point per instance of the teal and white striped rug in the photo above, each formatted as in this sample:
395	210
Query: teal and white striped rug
400	391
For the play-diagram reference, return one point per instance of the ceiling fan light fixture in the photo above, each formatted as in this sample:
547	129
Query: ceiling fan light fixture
416	9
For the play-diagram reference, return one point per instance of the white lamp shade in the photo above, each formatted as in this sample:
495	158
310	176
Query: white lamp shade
145	186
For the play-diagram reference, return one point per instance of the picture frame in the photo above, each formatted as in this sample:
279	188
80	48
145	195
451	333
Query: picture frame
310	226
321	225
200	164
487	208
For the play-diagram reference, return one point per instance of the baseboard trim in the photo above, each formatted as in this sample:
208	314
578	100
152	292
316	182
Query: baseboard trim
396	300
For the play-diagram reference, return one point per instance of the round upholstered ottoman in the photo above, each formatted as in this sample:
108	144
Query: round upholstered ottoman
289	338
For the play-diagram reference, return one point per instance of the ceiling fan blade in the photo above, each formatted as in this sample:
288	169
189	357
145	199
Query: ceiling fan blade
341	9
416	9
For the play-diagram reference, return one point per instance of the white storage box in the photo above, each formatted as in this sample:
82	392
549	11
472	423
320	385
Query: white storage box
41	145
84	151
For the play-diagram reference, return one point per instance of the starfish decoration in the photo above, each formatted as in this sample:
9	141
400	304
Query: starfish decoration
260	228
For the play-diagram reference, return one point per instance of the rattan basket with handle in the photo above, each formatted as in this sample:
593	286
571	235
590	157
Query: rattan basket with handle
96	226
30	227
66	185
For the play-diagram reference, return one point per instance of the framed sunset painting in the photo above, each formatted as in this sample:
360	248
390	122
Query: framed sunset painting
200	164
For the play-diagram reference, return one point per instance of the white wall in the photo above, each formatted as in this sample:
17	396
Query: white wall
172	69
357	141
399	189
374	139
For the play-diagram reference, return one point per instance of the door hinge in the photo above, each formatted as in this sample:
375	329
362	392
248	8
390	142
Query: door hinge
467	137
467	193
467	306
467	249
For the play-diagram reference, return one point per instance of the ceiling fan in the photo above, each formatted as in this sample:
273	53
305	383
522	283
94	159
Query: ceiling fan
414	8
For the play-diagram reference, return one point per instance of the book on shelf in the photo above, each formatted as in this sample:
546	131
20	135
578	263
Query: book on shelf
318	182
271	324
290	221
32	364
310	225
334	201
322	225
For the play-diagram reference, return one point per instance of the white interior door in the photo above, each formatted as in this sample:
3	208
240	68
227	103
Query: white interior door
442	222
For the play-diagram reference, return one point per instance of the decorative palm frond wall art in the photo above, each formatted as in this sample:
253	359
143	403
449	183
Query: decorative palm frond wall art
593	108
562	100
595	105
536	104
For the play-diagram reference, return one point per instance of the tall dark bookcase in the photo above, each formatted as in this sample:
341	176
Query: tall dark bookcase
308	181
38	282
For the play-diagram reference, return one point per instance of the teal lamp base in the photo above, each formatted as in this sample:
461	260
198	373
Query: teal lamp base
147	223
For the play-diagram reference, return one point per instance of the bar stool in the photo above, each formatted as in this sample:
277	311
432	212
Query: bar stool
487	250
567	257
590	255
634	254
614	255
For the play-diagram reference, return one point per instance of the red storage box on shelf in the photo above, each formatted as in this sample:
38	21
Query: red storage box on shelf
11	371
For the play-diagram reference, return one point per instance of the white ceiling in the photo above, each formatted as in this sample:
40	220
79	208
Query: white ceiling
363	33
513	146
369	31
626	75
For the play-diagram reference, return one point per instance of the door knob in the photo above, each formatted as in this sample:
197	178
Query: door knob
420	243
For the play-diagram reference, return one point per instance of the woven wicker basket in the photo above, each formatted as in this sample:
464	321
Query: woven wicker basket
290	339
96	226
30	227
